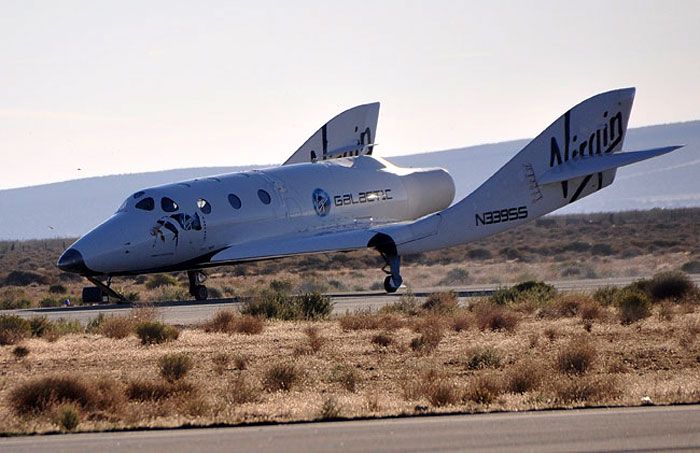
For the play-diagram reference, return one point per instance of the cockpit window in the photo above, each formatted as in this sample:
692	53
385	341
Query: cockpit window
204	206
264	196
138	194
168	205
235	201
147	204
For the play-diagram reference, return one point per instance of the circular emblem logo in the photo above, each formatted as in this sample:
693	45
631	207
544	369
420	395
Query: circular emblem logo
322	202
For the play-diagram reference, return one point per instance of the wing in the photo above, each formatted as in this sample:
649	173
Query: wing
277	247
351	133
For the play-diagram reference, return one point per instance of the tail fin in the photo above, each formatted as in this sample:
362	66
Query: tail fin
573	158
351	133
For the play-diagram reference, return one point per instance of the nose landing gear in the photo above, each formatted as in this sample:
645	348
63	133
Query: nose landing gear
197	290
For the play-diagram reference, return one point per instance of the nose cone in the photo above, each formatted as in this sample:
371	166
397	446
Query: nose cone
72	261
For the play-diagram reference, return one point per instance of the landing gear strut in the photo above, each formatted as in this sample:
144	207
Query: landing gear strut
94	294
385	245
197	290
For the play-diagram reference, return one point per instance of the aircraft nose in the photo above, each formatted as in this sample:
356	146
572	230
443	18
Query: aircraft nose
72	261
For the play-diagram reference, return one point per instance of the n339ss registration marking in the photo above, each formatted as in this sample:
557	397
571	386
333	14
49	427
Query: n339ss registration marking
501	215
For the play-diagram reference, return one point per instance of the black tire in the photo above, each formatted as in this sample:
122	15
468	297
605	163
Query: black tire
92	295
388	287
200	292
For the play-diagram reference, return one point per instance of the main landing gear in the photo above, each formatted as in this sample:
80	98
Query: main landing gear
197	290
387	248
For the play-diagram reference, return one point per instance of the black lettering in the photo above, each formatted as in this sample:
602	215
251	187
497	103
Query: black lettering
363	197
522	212
338	200
489	217
513	214
347	199
388	197
479	219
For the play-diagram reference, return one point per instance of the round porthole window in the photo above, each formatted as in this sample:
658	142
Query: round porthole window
234	201
264	196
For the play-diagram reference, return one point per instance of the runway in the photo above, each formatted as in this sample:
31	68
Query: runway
192	312
626	429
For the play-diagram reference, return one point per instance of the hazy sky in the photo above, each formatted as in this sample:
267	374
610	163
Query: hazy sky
131	86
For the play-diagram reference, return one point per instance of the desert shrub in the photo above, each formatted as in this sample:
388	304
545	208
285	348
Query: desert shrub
483	357
281	286
13	329
270	304
691	267
534	292
369	321
442	302
483	388
20	352
13	299
461	320
606	295
57	289
240	362
442	392
383	340
49	302
590	310
633	305
116	327
456	276
175	366
602	249
346	376
154	332
227	321
40	326
240	391
586	389
431	330
152	390
221	361
68	417
568	305
577	356
551	333
159	280
523	377
406	305
62	326
281	377
314	305
24	278
330	409
495	317
40	394
314	339
479	254
670	285
688	335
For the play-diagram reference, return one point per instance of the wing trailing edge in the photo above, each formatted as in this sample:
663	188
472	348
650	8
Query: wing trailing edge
600	163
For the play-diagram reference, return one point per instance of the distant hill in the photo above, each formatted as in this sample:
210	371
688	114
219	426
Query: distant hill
68	209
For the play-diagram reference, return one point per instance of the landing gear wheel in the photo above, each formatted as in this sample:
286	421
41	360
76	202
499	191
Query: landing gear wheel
200	292
389	285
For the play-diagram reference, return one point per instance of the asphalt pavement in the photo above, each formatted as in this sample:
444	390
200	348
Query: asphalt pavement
626	429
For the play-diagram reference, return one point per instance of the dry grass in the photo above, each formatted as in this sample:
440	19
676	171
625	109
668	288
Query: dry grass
240	378
370	321
117	327
495	317
175	366
577	356
230	322
281	377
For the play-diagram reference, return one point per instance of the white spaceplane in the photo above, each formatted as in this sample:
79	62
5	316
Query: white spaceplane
334	195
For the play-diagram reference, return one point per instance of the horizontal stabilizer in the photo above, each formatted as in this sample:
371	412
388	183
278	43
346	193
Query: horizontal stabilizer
598	163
